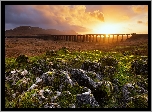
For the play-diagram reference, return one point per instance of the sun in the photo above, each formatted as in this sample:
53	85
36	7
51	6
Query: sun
107	29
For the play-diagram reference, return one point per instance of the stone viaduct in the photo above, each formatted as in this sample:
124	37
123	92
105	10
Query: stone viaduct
91	37
110	38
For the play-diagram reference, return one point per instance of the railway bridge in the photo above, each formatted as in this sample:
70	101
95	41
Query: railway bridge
104	38
92	37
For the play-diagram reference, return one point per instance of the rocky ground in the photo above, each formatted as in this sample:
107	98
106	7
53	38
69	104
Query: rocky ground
59	74
64	79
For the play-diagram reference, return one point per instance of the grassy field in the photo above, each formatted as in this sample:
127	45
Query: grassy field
59	74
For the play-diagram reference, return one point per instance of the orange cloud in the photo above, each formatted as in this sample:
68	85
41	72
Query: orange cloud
97	14
75	15
71	15
140	8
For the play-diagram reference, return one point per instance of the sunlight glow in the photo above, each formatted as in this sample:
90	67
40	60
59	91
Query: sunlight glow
107	28
107	35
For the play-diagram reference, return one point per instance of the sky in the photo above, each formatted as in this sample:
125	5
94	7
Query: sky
84	19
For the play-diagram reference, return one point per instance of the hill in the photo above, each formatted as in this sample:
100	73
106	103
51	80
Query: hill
33	31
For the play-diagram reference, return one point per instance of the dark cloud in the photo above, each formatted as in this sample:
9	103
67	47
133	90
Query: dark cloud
25	15
13	15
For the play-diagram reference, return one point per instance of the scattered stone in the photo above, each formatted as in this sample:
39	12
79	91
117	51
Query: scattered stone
86	99
32	87
52	105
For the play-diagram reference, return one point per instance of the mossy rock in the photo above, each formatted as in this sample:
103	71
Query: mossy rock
107	87
22	59
91	66
109	71
26	100
139	101
93	76
109	61
75	89
39	67
140	67
51	53
103	92
20	86
142	82
63	50
65	99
